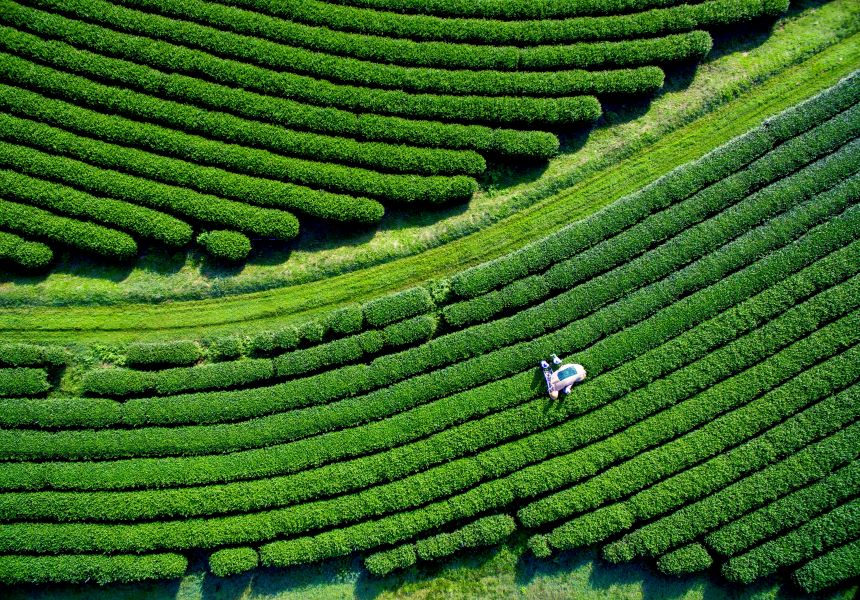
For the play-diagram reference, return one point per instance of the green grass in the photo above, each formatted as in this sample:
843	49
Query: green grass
736	89
486	574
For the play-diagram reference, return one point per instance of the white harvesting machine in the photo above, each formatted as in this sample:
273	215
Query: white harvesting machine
563	378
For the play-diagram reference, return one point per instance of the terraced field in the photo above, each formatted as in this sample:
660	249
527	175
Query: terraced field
392	417
164	122
716	311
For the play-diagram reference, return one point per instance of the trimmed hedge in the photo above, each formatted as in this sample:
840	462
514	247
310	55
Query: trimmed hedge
507	142
363	74
229	128
684	560
829	569
673	187
342	477
178	352
141	221
799	466
787	512
486	531
387	561
226	245
182	174
265	222
84	236
837	527
398	306
124	382
238	160
232	561
23	381
507	110
30	355
518	32
87	568
24	253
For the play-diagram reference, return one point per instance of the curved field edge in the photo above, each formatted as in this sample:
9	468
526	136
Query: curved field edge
505	572
260	310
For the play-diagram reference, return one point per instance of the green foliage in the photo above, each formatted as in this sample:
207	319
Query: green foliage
24	253
486	531
139	220
226	245
399	306
687	559
232	561
229	128
86	568
87	237
179	352
387	561
265	222
790	511
516	32
832	529
673	187
23	381
832	568
30	355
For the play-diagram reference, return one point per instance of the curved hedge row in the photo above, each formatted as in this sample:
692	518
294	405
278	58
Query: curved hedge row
178	352
41	224
672	187
257	163
86	568
23	381
478	109
450	54
829	569
30	355
228	128
264	222
226	245
531	144
186	175
687	559
24	253
518	32
602	55
232	561
141	221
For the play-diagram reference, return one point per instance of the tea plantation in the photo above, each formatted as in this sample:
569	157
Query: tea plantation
715	306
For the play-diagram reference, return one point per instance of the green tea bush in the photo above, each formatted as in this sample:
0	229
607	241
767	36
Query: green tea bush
179	352
24	253
23	381
831	568
387	561
226	245
232	561
88	568
684	560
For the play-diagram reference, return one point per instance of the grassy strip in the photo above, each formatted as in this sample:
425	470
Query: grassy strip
840	525
264	222
392	188
504	110
139	220
182	174
82	235
85	568
830	569
24	253
451	55
231	129
606	56
788	512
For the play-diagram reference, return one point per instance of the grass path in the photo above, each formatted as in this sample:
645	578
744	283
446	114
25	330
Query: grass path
744	87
